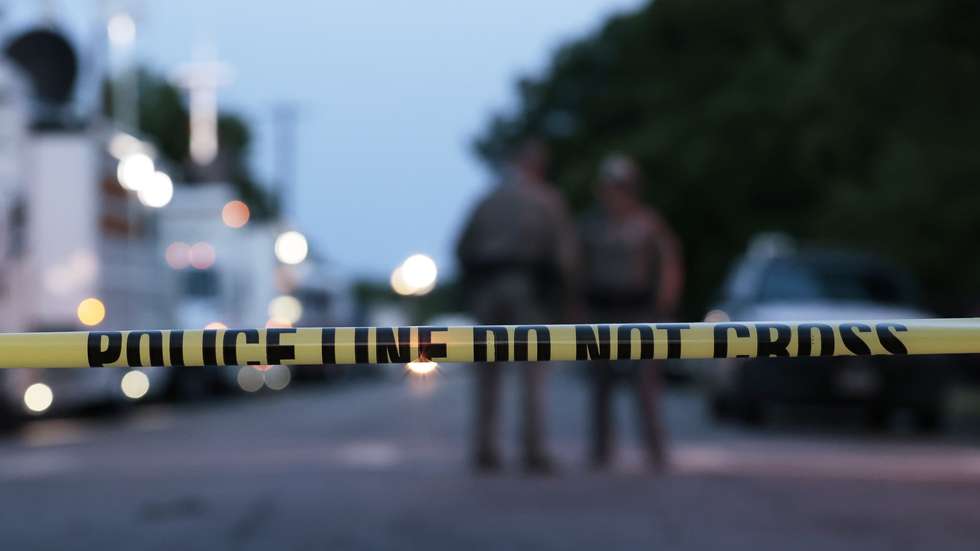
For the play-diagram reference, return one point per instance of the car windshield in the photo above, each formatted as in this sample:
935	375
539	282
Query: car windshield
801	279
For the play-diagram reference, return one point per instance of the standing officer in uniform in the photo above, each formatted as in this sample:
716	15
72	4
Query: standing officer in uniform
517	254
633	273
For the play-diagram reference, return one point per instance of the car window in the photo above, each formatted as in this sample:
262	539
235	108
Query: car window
791	279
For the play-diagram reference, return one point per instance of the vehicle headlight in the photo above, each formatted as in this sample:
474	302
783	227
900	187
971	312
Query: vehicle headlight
135	385
38	397
716	316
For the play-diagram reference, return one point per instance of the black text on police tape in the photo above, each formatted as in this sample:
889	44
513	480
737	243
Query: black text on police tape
591	342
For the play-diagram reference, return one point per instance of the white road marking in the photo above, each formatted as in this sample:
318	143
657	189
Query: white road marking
374	454
34	465
860	462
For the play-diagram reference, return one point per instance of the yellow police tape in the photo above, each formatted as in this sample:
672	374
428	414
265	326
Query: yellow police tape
369	345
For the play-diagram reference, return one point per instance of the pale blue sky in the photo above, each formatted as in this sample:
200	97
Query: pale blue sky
391	94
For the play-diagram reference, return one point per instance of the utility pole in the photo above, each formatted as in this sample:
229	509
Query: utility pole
284	118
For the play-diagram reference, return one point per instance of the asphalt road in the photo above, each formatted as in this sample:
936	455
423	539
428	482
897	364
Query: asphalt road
382	465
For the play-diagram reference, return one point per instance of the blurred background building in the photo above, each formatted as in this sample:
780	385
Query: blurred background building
131	212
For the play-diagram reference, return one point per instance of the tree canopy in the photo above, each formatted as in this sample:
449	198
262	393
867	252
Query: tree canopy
846	123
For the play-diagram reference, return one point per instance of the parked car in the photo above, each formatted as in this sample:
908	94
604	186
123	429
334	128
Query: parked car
26	393
779	284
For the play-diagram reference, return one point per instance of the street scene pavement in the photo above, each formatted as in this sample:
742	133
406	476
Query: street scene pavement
384	464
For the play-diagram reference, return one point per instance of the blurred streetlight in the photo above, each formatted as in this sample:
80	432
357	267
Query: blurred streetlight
135	171
291	247
157	191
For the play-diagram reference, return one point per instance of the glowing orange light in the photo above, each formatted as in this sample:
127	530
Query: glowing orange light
91	311
178	255
202	255
216	325
421	368
277	323
235	214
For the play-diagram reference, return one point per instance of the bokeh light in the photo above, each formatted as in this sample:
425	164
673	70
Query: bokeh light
398	283
216	325
90	311
202	255
421	368
38	397
135	171
291	247
285	308
235	214
417	275
250	379
277	377
420	272
135	385
178	255
122	145
157	191
78	272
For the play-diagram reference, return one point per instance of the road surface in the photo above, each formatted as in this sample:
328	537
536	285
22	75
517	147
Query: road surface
382	465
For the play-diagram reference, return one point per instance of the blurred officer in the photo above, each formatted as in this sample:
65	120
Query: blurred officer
633	273
517	254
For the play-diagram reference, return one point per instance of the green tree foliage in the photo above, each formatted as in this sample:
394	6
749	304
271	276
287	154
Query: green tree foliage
163	119
843	122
